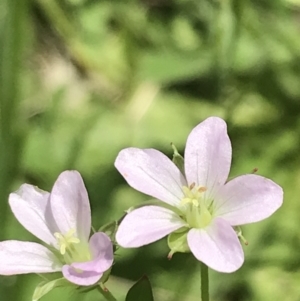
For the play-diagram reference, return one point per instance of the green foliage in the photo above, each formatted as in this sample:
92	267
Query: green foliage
110	229
46	286
82	79
177	242
140	291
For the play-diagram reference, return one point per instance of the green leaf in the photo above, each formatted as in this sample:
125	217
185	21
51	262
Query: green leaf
168	66
140	291
293	2
46	286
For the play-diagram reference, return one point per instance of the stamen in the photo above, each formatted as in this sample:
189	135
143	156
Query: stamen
205	216
192	186
195	202
185	201
194	206
186	190
202	189
66	241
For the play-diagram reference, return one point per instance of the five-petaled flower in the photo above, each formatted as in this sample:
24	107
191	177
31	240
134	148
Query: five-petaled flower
62	220
199	199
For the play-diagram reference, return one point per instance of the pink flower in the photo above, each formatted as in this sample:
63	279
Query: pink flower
62	220
201	201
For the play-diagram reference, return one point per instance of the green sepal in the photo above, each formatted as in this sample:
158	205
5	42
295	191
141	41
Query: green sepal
178	160
239	233
103	279
177	242
110	230
46	286
140	291
105	276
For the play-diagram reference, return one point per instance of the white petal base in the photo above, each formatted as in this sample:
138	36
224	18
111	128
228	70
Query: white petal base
146	225
217	246
20	257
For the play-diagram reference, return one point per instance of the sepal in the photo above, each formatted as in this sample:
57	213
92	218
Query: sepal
177	242
110	230
178	160
239	233
46	286
105	276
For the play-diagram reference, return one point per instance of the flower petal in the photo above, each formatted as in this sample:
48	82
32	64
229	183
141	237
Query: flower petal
248	199
152	173
20	257
70	204
80	277
208	155
88	273
102	253
146	225
217	246
30	207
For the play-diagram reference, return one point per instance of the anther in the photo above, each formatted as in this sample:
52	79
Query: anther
202	189
192	186
255	170
65	241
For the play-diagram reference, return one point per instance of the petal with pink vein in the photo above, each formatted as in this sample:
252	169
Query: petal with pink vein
208	155
146	225
248	199
151	172
217	246
70	204
30	206
20	257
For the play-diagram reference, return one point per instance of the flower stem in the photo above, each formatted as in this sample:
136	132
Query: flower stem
204	282
106	293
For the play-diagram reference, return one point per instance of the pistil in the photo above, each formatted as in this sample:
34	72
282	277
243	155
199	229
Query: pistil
72	249
194	207
65	241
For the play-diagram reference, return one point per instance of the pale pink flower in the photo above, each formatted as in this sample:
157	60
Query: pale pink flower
201	200
62	220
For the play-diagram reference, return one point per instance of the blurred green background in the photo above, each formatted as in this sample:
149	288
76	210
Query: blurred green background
82	79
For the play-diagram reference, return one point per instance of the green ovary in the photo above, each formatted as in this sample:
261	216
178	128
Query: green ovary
71	248
193	205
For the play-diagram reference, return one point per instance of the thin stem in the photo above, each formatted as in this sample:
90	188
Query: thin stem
13	31
106	293
204	282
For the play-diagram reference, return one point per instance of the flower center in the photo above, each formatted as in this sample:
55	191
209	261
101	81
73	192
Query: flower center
71	248
194	206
